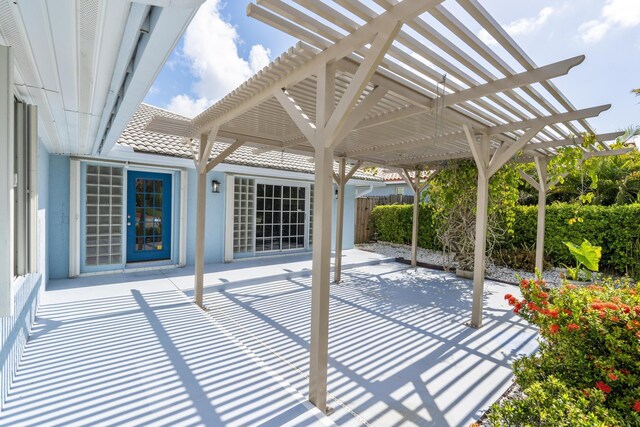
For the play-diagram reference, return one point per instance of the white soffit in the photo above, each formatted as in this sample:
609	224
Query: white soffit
496	90
87	64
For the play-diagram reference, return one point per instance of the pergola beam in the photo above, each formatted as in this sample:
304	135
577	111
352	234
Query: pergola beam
296	113
491	130
512	82
548	120
571	141
401	12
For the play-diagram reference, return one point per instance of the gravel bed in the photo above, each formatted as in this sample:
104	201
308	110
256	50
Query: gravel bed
438	258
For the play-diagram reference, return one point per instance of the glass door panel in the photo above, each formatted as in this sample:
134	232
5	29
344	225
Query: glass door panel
148	216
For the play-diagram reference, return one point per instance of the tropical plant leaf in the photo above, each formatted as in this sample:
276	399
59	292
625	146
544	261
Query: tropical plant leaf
586	254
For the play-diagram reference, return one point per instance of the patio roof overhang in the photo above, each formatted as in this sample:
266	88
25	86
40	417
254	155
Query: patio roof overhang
401	84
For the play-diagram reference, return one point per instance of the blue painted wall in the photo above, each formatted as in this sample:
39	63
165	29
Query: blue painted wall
214	225
58	217
14	330
348	230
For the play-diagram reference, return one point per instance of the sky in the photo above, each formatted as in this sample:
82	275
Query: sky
222	48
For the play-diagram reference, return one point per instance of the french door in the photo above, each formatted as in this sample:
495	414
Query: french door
148	216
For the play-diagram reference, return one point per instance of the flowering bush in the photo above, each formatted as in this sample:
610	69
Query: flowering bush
587	370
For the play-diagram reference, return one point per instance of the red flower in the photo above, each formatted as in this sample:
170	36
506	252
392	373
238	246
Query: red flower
517	308
601	385
554	328
508	296
573	327
567	312
544	295
553	313
636	406
624	372
612	376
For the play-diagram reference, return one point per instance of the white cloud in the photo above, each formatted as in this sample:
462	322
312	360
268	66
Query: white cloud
615	13
187	106
593	31
259	57
211	51
520	26
528	25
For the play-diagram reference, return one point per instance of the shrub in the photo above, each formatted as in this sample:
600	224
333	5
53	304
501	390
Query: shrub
615	228
393	223
587	370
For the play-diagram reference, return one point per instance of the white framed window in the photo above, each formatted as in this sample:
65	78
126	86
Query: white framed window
400	190
25	189
18	185
266	215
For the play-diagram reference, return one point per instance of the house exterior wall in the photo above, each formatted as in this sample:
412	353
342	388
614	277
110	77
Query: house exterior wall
14	330
59	213
390	189
58	216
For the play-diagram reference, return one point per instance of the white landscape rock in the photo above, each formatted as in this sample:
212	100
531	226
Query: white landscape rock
438	258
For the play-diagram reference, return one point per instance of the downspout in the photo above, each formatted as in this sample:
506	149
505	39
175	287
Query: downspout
364	192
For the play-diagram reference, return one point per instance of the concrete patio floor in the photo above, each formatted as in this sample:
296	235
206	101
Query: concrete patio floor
131	349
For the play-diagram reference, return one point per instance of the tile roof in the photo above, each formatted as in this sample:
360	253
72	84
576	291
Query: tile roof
391	176
142	141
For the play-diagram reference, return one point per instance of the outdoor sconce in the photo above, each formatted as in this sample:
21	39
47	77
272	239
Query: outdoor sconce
215	186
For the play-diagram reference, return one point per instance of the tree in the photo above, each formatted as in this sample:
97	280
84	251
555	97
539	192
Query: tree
452	197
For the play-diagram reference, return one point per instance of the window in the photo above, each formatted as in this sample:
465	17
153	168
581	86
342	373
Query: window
280	217
400	190
103	201
25	196
243	215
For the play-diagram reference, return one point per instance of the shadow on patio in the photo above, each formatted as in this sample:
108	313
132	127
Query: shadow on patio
131	349
146	358
400	352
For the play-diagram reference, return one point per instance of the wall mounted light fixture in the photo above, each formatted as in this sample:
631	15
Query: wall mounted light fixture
215	186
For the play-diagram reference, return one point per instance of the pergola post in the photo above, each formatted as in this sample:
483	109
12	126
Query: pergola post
333	123
488	165
341	179
203	166
417	183
541	167
482	215
201	214
320	279
337	268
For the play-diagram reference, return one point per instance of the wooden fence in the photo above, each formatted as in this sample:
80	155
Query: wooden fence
364	206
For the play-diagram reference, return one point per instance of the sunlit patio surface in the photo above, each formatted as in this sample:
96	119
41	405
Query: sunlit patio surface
131	349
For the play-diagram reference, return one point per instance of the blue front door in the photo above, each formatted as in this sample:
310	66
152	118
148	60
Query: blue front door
148	216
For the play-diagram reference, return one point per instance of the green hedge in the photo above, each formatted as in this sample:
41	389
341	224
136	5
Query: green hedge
393	223
615	228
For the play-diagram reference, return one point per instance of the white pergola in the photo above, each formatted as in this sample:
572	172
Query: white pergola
365	85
